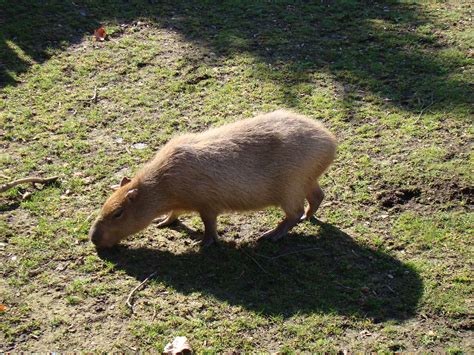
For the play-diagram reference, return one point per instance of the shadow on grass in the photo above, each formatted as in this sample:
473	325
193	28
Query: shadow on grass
387	48
327	273
31	30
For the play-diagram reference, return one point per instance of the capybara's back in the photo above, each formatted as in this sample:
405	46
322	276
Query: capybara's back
273	159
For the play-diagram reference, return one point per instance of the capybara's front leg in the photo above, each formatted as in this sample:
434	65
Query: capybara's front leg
314	197
210	228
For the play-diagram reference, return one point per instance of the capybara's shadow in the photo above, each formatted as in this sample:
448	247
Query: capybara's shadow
328	272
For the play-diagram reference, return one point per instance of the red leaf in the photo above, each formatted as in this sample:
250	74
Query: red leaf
100	34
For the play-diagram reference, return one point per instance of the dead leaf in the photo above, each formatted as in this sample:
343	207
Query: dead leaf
100	34
180	345
139	146
3	308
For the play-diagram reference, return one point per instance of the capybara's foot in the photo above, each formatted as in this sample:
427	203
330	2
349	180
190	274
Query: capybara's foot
282	229
274	234
305	218
160	223
208	241
168	220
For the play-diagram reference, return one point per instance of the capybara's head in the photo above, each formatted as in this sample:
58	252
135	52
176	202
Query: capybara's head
120	216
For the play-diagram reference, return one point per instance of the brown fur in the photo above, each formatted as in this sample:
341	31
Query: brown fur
270	160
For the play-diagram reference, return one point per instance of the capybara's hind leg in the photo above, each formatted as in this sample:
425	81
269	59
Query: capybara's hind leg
314	197
210	228
292	218
169	219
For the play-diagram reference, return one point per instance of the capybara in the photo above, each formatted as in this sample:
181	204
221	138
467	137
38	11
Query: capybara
274	159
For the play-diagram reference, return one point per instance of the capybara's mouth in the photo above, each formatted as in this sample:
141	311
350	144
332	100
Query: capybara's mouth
104	245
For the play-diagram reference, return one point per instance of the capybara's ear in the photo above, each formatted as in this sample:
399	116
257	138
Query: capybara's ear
125	180
132	194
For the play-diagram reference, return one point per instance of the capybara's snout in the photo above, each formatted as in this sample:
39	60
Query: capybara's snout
94	235
102	236
98	237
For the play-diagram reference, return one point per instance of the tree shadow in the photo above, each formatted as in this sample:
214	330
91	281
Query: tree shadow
324	273
383	47
386	47
31	30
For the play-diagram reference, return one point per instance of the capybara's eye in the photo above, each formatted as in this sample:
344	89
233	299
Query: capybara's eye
118	213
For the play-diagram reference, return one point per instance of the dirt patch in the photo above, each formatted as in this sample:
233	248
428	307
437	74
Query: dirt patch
7	205
391	198
454	191
445	193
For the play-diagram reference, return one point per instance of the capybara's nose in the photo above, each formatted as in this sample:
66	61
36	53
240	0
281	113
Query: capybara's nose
95	235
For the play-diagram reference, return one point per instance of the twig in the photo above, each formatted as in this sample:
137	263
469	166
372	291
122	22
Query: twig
423	110
129	298
94	97
285	254
85	221
36	271
256	262
343	286
294	252
131	347
39	180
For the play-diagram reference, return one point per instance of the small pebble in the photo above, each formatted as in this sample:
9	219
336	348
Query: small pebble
139	146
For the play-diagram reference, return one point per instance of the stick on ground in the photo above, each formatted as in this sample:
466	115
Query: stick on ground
130	295
289	253
256	262
94	97
38	180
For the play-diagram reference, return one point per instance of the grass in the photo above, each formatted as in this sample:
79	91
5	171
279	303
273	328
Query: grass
386	267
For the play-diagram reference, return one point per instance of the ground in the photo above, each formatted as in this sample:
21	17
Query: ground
386	265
